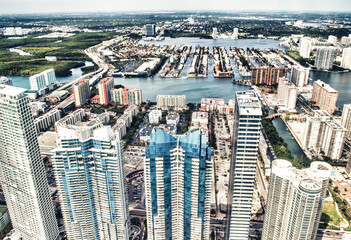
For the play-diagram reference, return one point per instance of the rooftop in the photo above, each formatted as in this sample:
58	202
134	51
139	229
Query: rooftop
11	90
105	80
325	86
308	178
248	103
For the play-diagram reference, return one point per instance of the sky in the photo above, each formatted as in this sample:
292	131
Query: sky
50	6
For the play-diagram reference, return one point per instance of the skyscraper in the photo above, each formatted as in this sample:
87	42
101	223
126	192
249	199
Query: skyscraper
178	180
287	93
323	134
235	33
89	170
81	92
325	58
324	96
305	47
22	173
346	58
105	86
346	122
295	201
214	33
299	75
267	75
246	135
332	39
150	30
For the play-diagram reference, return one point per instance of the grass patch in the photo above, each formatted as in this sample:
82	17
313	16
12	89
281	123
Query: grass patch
39	50
67	52
329	214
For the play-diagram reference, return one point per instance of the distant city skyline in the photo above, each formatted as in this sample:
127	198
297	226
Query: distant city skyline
46	6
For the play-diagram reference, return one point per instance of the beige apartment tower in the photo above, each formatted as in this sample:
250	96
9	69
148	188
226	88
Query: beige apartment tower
325	96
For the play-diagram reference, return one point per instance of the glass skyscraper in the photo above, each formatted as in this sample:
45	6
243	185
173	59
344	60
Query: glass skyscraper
246	135
178	179
90	176
22	172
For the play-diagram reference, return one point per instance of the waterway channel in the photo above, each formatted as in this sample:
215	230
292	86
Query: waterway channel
210	87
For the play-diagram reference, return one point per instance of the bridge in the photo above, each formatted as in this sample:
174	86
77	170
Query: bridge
274	115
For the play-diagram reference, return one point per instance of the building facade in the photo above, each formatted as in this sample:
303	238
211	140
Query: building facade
105	86
46	121
235	33
324	96
150	30
22	173
214	33
325	58
346	122
323	134
267	75
178	179
155	116
89	170
42	80
6	81
127	96
287	93
81	92
245	141
346	58
295	201
299	75
176	102
305	47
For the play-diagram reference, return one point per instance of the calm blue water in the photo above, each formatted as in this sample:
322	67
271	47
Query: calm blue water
197	88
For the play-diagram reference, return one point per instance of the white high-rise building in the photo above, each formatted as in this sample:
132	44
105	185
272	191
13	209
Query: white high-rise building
89	170
325	58
235	33
287	93
332	39
22	173
322	133
305	47
246	136
155	116
42	80
299	75
214	33
295	201
333	140
178	180
346	58
346	41
177	102
346	121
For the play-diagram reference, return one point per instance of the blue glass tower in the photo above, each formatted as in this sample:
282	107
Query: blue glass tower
90	176
178	179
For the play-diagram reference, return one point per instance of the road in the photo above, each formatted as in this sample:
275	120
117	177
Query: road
94	77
